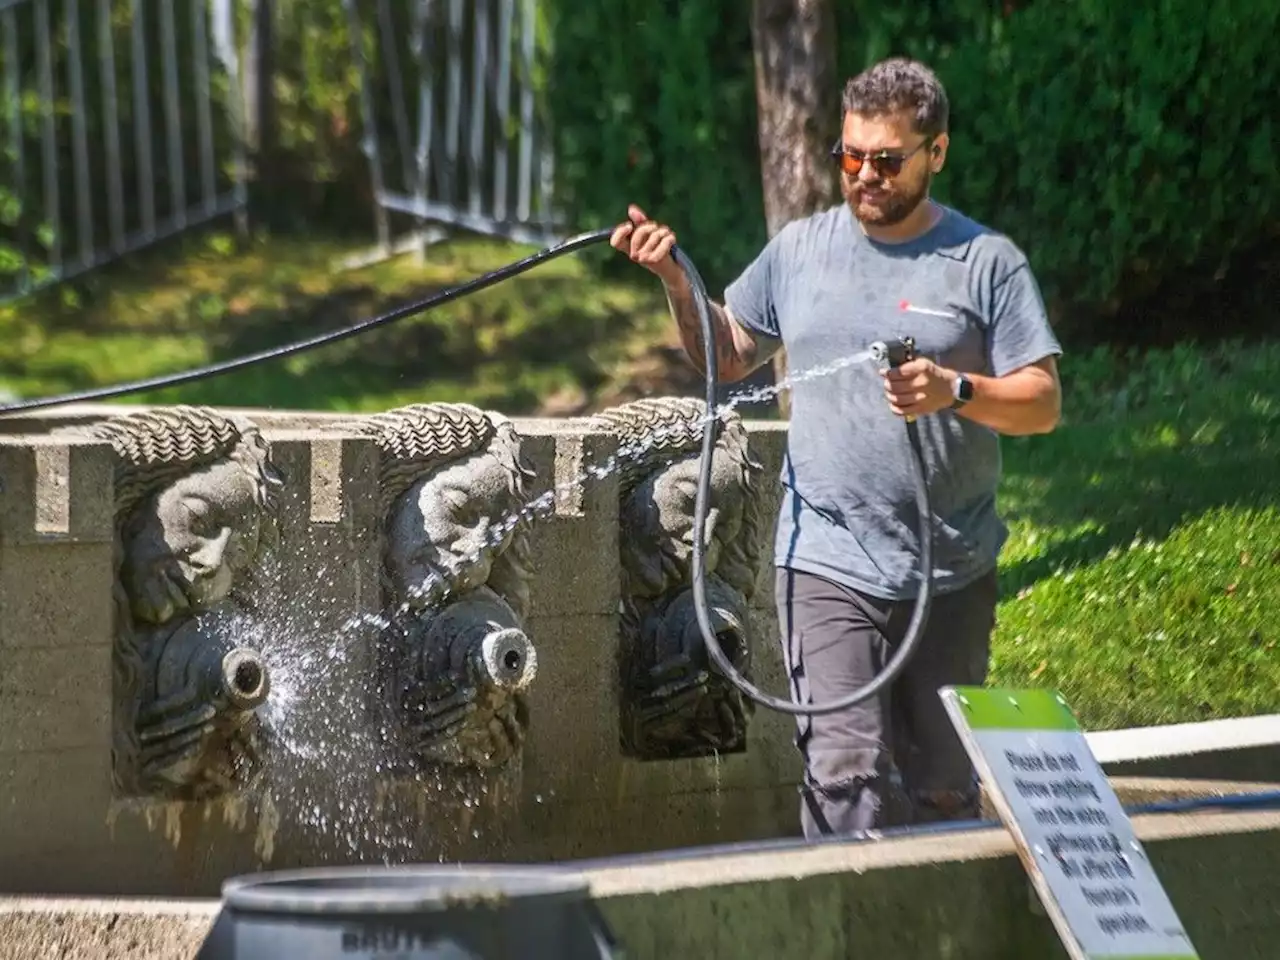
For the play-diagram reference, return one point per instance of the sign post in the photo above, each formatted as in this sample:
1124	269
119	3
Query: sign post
1072	834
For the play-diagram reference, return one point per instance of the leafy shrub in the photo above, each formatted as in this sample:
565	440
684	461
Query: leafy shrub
654	104
1120	143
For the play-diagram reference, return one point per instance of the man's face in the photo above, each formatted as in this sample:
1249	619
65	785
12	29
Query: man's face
885	199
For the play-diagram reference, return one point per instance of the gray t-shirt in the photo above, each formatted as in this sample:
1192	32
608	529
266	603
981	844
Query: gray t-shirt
824	290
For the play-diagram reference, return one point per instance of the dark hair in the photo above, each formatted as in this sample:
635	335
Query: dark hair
899	84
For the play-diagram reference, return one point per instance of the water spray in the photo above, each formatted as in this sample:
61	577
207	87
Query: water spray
888	353
479	912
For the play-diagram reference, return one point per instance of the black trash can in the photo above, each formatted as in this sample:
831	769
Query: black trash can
410	913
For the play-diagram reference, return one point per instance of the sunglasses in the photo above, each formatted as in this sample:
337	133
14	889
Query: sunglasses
886	165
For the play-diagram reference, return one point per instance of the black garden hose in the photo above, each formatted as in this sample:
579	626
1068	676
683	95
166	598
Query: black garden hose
920	613
572	245
919	616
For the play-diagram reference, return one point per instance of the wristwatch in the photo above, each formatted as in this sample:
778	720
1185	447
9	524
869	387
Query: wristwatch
963	390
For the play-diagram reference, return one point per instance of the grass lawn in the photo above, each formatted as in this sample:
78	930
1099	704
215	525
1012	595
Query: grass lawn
1142	574
552	332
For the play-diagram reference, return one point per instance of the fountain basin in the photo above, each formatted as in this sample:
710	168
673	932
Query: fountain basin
412	912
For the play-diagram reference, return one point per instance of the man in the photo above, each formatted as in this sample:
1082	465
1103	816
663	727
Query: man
886	263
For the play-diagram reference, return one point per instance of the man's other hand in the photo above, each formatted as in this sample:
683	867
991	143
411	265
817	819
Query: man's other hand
649	244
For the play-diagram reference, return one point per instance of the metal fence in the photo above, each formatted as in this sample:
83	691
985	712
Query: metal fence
455	129
123	122
105	154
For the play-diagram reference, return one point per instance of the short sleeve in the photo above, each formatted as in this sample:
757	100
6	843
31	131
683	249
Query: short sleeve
753	297
1020	333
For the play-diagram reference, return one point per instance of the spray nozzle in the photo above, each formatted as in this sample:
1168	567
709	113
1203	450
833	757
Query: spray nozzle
893	353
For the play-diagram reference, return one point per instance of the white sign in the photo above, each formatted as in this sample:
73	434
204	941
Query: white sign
1092	874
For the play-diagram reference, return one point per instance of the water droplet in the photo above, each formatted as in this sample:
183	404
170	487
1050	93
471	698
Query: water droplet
318	757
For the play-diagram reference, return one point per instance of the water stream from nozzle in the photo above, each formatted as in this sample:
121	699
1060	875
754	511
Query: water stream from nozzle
438	587
324	763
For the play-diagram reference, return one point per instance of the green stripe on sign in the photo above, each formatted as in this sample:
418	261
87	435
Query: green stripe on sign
997	709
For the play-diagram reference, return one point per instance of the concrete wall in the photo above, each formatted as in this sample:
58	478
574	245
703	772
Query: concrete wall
63	832
962	896
61	829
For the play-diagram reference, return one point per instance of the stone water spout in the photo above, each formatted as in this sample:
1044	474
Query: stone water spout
674	702
202	693
455	659
195	507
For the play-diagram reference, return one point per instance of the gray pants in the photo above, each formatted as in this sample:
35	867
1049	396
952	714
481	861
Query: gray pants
894	759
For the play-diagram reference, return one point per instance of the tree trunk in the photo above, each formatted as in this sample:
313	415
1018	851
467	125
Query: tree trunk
799	117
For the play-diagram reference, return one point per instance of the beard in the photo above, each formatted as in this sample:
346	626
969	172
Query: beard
894	201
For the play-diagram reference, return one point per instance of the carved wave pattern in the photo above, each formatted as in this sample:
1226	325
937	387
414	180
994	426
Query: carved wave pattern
155	446
652	432
417	438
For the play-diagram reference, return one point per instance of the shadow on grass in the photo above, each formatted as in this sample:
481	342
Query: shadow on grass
553	329
510	343
1093	487
492	350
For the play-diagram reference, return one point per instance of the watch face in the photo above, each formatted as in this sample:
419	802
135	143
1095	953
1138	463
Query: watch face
964	389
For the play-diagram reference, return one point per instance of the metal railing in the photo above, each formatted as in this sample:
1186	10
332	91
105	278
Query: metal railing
83	104
123	123
455	129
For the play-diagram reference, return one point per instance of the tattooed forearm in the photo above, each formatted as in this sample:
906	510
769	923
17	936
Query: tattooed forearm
735	349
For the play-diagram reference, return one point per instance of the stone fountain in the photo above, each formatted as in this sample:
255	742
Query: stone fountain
673	702
428	633
236	640
454	661
195	497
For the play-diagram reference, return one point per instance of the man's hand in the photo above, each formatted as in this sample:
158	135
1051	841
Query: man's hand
919	387
649	244
1026	401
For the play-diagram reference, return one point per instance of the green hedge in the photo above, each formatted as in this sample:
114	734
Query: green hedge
1118	143
655	104
1121	143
